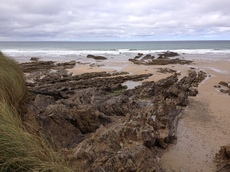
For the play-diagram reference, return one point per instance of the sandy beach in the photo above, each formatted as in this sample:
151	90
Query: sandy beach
204	125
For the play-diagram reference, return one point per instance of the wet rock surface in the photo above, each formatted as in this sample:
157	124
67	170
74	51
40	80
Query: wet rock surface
98	123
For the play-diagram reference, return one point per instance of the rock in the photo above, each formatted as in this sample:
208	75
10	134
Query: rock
67	65
167	54
166	70
34	59
60	131
45	66
226	88
135	61
227	151
138	55
173	91
109	154
101	125
201	76
192	74
148	57
192	92
119	105
182	99
223	91
148	139
41	102
163	59
217	86
223	159
84	118
223	83
96	57
167	82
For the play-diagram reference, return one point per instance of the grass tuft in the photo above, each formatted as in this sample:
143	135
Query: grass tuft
12	82
20	150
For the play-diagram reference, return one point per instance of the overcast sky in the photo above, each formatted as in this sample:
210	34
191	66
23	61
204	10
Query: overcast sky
85	20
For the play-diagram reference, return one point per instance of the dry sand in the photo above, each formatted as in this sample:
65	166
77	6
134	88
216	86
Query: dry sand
204	125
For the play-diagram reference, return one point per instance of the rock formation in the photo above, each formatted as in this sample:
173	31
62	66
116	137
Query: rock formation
98	123
162	59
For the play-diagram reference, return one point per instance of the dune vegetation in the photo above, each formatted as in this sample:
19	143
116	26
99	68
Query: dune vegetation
12	83
20	150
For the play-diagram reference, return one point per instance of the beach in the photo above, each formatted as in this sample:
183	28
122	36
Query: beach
204	125
98	81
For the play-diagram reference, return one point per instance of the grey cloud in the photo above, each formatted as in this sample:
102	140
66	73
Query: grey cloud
121	19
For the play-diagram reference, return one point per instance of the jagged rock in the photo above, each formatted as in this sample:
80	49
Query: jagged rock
119	105
116	149
172	91
84	118
106	129
167	82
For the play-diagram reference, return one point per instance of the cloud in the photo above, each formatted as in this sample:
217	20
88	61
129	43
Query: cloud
114	20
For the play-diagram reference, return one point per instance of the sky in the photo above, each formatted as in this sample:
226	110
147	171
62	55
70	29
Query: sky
114	20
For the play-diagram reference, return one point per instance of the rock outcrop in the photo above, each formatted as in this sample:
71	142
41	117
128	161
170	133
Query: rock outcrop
162	59
99	124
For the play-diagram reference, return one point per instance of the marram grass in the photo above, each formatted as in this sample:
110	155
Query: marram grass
19	150
22	151
12	83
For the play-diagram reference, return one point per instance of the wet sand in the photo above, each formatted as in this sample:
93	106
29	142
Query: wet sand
204	125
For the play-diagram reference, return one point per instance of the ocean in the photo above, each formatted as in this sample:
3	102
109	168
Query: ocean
65	51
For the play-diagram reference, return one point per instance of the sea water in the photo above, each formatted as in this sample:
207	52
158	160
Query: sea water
114	51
